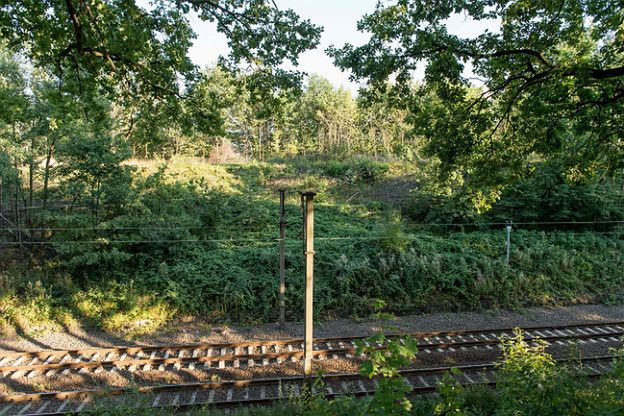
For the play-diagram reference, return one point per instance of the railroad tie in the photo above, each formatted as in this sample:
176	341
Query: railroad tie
291	349
606	368
15	363
119	366
265	361
83	404
250	351
230	393
193	397
222	362
43	407
6	409
194	354
148	367
331	347
423	381
278	359
33	373
132	367
24	409
51	372
62	407
178	365
208	354
345	386
439	340
341	345
467	377
163	367
236	363
92	359
593	369
361	386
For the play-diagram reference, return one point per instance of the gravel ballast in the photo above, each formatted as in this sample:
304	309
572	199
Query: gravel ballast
199	332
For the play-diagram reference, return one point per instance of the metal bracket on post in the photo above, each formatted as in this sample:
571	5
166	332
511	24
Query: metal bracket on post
508	242
308	338
282	263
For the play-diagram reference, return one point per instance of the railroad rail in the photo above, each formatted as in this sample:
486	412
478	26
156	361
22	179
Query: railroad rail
254	392
249	354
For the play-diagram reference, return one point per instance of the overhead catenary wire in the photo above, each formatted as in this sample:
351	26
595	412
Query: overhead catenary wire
259	229
104	241
266	240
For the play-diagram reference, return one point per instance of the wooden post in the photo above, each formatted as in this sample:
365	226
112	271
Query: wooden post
282	263
309	282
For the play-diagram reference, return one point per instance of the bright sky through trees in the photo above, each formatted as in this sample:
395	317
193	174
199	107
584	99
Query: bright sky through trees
339	20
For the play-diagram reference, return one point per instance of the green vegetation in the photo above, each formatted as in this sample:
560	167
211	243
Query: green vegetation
199	239
531	80
136	187
528	382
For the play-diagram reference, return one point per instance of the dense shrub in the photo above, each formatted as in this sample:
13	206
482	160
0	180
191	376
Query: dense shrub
548	195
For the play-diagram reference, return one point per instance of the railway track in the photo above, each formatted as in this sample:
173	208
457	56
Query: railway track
262	353
252	392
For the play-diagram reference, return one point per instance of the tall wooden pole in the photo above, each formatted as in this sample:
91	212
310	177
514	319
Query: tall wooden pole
309	283
282	263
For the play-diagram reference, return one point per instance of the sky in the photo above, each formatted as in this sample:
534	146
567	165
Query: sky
338	18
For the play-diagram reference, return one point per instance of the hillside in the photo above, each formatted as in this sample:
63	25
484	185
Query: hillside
200	239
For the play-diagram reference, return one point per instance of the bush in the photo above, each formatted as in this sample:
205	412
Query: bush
548	195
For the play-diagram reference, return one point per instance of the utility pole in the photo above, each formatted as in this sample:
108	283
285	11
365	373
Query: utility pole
282	263
508	243
309	281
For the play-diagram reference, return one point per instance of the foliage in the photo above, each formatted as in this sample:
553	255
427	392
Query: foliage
390	396
551	83
194	238
547	195
142	51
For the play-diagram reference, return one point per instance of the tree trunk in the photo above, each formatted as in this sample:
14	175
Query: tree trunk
46	172
31	171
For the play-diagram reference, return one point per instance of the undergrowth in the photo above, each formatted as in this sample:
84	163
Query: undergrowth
200	240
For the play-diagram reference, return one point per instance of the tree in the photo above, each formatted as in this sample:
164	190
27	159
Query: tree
124	47
552	83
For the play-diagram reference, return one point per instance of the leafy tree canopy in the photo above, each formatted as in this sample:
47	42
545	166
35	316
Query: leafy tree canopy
551	82
125	47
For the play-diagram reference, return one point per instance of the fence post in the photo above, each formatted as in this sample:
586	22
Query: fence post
309	282
282	263
508	242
